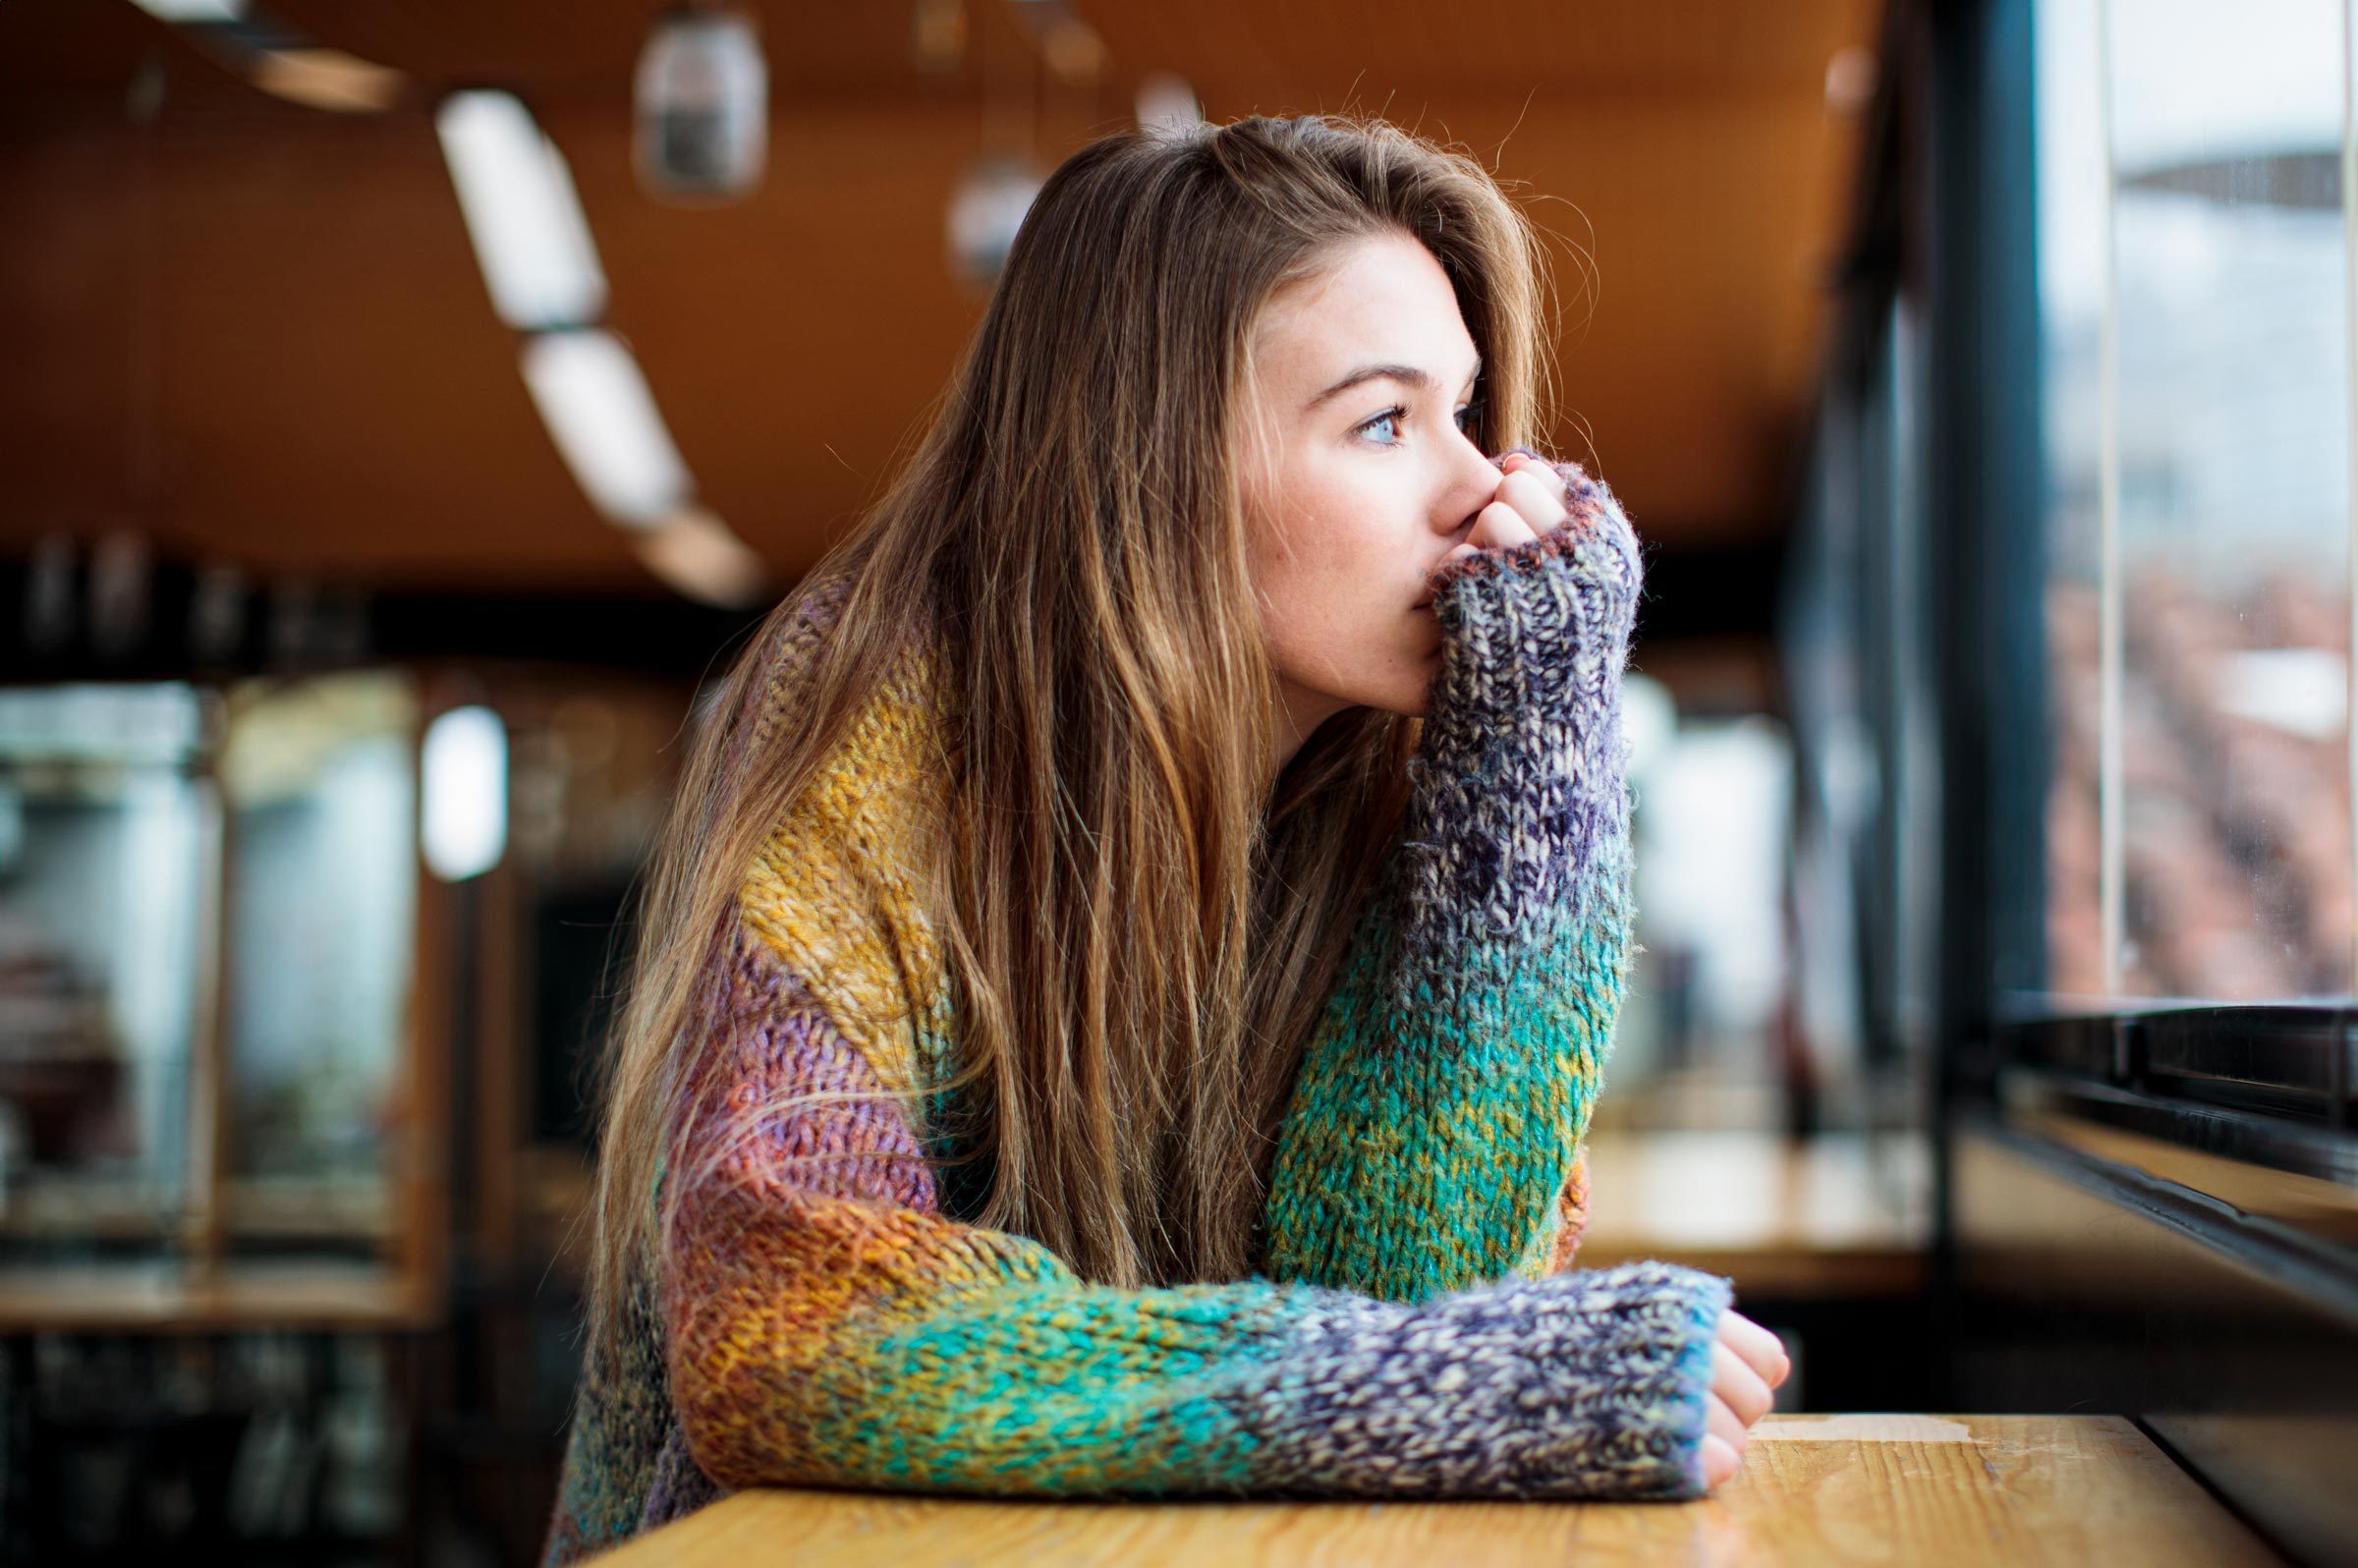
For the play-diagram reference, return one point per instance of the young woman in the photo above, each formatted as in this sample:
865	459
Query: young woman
1118	1001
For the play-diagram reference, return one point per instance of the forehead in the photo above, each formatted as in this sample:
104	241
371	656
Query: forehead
1381	298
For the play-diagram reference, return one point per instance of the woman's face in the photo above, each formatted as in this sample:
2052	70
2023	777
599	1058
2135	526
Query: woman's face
1362	479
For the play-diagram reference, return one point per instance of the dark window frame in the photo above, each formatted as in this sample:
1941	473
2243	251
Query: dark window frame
1944	219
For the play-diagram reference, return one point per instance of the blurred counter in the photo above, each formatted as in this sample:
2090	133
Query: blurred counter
1838	1214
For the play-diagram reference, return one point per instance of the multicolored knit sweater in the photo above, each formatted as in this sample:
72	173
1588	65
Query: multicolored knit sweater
819	1315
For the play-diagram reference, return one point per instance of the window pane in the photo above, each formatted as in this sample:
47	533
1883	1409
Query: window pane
2229	354
102	843
319	774
2071	303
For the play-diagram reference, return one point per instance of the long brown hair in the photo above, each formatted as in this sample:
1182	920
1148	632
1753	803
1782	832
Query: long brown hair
1140	929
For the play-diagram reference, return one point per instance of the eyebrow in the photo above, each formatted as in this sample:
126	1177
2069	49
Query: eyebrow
1406	374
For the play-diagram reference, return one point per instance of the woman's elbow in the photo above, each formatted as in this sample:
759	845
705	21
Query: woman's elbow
745	1415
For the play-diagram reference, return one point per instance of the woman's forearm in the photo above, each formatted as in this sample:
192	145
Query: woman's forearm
828	1324
1441	1107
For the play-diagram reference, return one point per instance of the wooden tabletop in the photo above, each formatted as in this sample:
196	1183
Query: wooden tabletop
1834	1490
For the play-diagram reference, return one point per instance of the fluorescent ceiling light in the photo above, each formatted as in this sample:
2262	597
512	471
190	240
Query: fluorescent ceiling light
695	552
521	212
598	410
328	79
1166	104
192	10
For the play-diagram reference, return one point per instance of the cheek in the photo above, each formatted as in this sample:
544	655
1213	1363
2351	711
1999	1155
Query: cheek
1330	541
1336	574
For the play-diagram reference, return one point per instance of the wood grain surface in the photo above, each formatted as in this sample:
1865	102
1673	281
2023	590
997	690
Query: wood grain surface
1833	1489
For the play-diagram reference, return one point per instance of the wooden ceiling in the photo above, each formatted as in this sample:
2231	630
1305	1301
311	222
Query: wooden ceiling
257	333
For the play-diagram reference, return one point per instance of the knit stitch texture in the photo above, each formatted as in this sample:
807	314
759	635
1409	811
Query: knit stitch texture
818	1314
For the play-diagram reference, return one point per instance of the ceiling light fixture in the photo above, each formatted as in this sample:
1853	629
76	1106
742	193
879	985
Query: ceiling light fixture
702	101
328	79
192	10
1166	104
521	210
695	552
604	422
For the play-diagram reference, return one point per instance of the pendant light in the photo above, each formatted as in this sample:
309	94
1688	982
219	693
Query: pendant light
703	105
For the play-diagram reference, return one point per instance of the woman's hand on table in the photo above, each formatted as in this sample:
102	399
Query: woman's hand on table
1746	1361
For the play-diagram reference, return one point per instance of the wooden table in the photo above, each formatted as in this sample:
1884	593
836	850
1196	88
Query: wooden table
1813	1489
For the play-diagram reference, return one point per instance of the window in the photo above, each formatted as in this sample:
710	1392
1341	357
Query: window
2194	287
2083	459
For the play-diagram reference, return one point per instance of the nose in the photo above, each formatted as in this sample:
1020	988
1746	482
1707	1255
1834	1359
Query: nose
1475	488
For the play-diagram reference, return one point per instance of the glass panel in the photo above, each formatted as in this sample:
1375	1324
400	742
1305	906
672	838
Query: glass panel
103	839
2192	245
2073	221
321	778
2233	398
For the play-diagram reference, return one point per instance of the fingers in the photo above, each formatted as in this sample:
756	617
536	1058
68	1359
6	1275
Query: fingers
1734	1380
1719	1462
1537	494
1763	1350
1531	501
1496	527
1747	1361
1723	1424
1518	461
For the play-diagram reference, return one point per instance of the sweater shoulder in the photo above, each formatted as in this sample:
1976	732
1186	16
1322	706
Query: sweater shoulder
840	889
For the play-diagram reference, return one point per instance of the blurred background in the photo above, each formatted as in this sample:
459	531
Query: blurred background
405	410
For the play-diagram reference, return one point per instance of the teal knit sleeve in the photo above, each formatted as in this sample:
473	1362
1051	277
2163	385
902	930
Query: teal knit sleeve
1442	1103
827	1324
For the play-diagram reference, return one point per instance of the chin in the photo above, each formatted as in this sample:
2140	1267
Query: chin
1408	702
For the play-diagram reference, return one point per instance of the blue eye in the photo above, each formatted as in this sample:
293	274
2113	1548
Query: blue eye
1467	418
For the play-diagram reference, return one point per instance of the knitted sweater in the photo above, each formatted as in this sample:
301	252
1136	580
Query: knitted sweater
821	1314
